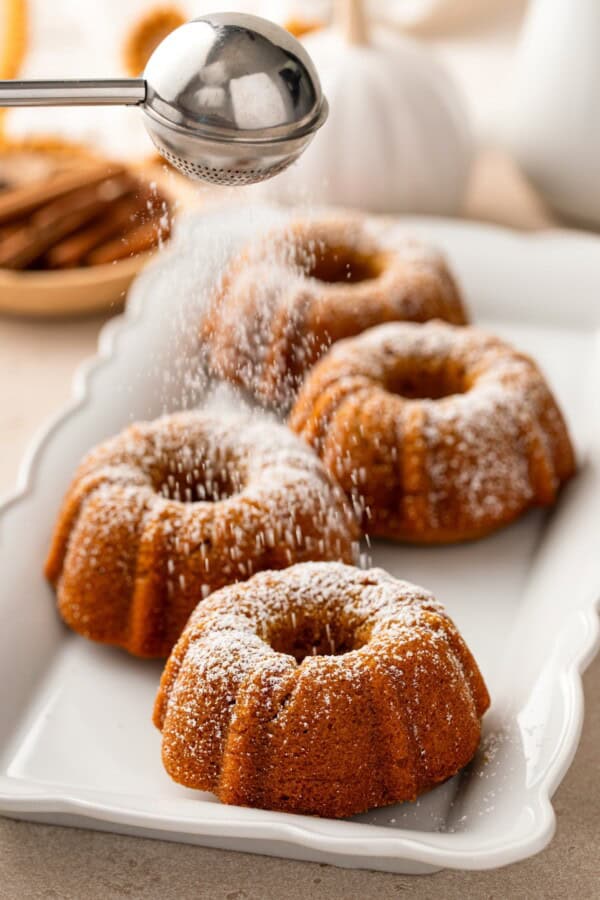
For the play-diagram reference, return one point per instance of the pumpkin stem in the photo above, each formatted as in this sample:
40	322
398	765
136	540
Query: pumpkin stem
351	17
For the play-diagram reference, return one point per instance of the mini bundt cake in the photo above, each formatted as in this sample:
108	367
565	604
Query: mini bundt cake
167	511
286	298
439	433
321	689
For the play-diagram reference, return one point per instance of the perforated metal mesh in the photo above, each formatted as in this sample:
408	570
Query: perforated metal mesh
224	176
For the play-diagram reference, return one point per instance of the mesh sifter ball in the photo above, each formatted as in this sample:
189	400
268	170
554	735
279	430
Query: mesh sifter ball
227	98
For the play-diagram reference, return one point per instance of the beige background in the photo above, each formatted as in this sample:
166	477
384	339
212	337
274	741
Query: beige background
37	360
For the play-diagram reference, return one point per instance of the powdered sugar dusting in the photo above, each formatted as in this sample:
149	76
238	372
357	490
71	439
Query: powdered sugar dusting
309	650
476	431
191	502
293	292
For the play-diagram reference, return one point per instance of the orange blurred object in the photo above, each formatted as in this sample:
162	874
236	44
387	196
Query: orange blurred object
13	40
146	35
299	27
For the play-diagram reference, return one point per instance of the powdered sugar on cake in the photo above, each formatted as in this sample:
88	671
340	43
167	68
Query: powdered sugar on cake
321	688
169	510
464	429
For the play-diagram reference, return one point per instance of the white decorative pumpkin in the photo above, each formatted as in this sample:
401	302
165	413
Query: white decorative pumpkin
397	138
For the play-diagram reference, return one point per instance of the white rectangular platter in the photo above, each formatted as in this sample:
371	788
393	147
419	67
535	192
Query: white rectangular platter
76	742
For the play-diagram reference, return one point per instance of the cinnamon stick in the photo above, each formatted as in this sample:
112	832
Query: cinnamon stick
61	217
17	202
72	250
140	239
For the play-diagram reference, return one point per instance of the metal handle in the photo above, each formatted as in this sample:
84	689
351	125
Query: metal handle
88	92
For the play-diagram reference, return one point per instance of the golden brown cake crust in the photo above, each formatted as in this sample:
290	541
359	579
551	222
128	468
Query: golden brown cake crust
286	298
439	433
388	707
168	511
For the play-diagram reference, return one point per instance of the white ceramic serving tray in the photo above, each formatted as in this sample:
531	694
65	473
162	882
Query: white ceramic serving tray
76	742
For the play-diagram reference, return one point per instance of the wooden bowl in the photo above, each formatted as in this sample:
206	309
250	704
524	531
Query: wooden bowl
68	292
89	289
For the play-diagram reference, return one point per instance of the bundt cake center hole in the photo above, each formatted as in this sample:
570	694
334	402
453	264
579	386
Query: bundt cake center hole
190	481
342	265
302	639
425	385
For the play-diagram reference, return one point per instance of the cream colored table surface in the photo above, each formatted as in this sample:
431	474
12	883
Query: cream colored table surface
37	360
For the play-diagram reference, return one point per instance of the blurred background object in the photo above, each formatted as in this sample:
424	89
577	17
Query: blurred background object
147	33
553	123
426	16
397	139
474	39
434	16
13	36
13	39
